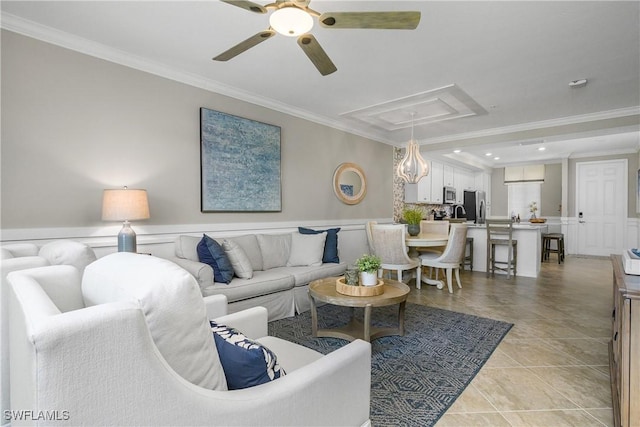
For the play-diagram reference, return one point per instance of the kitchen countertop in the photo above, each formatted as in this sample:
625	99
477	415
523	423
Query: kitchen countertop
524	225
521	226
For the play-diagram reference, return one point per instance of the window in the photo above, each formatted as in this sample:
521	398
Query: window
521	195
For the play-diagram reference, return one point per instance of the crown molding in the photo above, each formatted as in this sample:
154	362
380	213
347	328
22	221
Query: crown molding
69	41
63	39
524	127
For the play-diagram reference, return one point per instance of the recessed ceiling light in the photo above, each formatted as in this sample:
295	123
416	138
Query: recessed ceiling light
488	154
496	158
456	151
541	148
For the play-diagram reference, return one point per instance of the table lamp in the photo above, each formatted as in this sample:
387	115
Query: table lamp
125	205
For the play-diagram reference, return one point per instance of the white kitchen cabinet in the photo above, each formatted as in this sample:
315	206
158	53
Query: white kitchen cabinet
448	175
420	192
529	173
437	181
463	180
482	181
430	188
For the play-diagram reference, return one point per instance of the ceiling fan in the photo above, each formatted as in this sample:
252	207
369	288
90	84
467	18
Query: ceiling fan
294	18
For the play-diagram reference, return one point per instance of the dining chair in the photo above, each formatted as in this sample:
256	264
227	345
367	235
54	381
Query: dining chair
433	227
369	238
500	233
452	256
390	246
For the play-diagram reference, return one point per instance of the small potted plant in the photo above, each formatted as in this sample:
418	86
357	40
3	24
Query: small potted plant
413	217
368	266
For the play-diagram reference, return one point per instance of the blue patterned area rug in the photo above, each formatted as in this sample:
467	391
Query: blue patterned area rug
416	377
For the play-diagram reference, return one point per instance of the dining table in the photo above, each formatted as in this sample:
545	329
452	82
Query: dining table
425	240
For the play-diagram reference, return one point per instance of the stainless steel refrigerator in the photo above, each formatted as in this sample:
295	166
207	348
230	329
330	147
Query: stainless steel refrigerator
475	205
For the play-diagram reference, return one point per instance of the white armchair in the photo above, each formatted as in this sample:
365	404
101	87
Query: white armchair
21	256
104	364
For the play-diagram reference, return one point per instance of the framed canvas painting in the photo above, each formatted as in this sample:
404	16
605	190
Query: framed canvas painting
239	164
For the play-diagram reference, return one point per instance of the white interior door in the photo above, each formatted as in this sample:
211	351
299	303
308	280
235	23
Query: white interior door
601	205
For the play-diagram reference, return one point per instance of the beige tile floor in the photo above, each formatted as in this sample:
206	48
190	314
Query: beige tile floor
552	367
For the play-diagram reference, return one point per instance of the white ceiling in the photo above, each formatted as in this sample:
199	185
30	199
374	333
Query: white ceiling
496	73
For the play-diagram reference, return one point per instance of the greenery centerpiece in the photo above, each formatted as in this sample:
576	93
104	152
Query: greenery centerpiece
413	217
368	266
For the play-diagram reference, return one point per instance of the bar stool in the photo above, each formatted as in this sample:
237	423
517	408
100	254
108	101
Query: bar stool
500	233
546	245
468	259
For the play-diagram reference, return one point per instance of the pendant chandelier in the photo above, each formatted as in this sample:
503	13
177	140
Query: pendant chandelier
412	167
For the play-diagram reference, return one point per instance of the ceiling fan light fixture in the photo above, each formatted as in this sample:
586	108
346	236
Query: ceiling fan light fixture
291	21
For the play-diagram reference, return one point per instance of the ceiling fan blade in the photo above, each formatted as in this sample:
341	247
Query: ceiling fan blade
376	20
245	45
248	5
316	54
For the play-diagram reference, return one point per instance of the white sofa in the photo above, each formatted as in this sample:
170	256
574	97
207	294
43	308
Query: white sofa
107	351
276	285
21	256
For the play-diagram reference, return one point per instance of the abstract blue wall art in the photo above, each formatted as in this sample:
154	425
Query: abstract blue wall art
239	164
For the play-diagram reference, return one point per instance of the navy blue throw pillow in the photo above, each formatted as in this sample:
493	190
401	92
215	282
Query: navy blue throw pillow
245	363
210	252
330	244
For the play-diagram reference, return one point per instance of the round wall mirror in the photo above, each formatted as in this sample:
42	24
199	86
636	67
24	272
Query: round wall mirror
349	183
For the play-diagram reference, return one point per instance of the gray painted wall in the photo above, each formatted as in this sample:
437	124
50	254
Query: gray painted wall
552	187
550	192
73	125
499	194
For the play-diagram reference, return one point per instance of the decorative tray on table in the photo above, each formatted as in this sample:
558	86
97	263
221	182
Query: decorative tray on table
538	220
359	291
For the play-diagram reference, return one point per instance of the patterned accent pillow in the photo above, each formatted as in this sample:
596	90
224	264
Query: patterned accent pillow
210	252
245	362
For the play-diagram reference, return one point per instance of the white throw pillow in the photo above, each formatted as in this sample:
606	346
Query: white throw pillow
68	252
239	260
172	305
275	249
306	249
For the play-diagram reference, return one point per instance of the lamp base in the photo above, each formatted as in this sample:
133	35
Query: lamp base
127	239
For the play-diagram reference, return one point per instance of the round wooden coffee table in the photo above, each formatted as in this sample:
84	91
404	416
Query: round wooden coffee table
324	290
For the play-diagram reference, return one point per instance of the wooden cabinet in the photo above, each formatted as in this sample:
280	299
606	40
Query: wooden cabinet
624	348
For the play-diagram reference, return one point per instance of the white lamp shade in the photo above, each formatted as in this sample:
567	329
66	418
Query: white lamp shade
125	205
291	21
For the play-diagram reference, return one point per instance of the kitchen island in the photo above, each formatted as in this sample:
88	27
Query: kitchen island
529	247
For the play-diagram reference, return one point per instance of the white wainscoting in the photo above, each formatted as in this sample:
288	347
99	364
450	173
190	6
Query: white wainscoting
570	230
159	240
